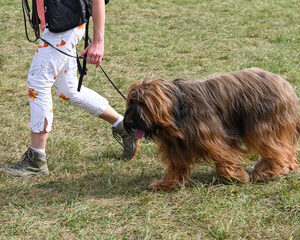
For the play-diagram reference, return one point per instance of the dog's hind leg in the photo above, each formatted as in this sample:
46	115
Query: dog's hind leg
277	147
231	171
276	161
228	161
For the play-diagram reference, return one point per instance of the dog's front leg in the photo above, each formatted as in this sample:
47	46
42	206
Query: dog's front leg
174	177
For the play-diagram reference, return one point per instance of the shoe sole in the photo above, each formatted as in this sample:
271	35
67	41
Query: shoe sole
137	148
23	176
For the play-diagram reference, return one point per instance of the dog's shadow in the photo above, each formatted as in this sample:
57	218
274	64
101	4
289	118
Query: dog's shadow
206	179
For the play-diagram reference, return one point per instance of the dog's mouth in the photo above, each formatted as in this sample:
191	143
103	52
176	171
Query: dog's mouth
130	128
139	134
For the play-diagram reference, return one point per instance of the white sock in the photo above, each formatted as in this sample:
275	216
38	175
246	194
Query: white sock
118	121
39	150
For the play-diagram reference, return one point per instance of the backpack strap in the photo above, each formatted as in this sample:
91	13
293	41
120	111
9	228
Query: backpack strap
83	69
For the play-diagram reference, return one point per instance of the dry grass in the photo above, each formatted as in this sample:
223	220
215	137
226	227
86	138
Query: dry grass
90	193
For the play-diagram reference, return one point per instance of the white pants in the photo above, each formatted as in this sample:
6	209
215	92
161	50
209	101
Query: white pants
50	67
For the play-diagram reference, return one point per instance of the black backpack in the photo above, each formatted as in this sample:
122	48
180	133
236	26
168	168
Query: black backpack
63	15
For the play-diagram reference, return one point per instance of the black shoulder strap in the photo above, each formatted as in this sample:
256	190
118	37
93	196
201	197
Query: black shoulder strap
83	69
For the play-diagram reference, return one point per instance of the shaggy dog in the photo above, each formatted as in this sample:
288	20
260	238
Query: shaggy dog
218	119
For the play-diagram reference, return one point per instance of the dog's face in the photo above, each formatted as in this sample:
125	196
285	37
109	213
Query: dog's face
148	107
137	118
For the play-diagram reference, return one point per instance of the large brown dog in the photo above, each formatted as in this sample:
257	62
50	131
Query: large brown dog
219	118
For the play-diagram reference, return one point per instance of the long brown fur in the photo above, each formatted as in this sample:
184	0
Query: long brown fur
218	119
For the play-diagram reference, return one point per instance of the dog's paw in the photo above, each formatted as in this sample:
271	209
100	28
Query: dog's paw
159	185
155	186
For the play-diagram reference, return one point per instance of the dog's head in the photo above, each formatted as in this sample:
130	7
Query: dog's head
149	107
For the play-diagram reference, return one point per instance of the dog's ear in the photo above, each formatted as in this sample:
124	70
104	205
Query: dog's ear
159	110
133	93
137	116
160	99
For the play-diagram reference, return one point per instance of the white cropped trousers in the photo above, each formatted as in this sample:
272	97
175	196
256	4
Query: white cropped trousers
50	67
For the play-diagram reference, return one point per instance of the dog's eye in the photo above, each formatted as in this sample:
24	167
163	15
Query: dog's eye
141	104
135	102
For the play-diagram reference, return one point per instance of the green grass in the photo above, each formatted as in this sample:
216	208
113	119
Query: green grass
90	193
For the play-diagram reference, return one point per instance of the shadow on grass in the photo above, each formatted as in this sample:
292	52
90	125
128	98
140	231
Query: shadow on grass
61	188
207	179
101	175
53	189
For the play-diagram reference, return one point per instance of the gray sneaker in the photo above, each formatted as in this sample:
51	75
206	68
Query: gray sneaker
128	141
32	163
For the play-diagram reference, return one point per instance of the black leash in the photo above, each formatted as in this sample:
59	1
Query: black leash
112	83
33	20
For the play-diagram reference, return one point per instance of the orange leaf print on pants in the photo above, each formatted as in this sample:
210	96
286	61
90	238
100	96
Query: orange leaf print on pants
32	94
62	43
58	71
40	46
64	97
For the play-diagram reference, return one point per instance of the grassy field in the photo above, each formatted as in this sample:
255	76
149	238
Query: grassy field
90	193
